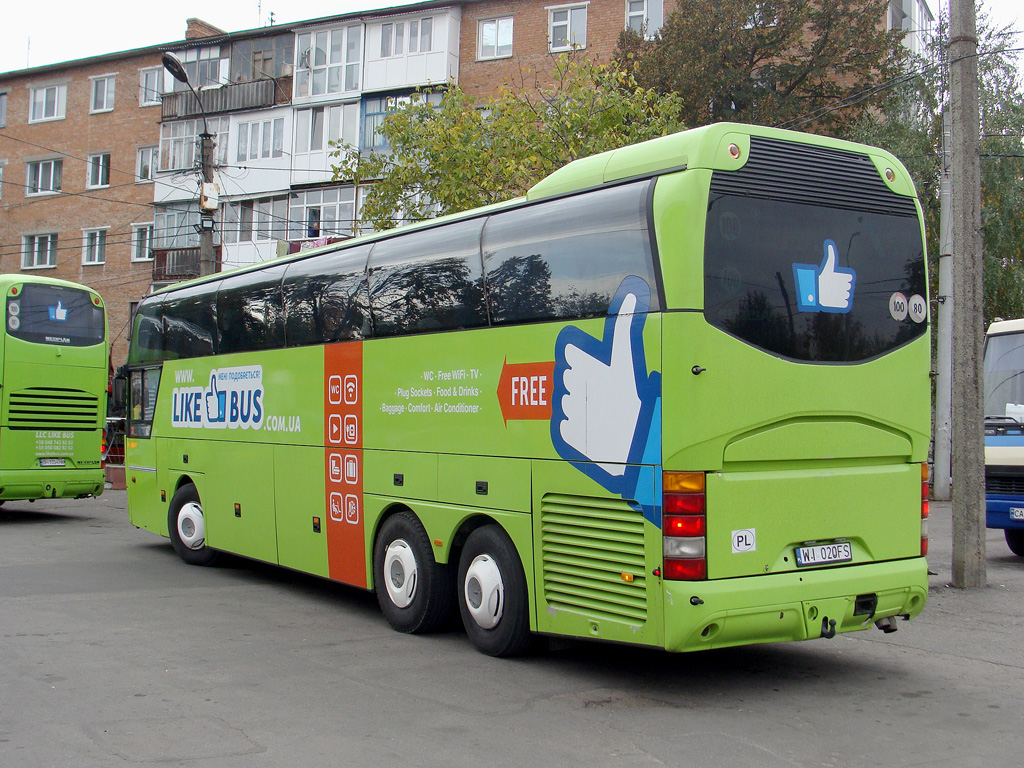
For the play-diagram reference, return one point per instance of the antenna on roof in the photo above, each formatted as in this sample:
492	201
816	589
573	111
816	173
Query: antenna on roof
271	18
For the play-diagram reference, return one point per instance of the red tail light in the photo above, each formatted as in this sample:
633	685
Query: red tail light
924	509
684	526
103	449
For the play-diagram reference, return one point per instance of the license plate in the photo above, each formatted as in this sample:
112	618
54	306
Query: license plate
1016	513
824	554
53	462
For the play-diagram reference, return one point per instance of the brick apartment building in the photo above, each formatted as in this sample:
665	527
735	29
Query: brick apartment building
98	158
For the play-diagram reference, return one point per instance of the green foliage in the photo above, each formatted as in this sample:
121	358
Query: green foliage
455	156
768	62
910	126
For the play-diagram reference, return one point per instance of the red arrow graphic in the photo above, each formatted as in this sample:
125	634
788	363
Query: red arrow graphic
524	390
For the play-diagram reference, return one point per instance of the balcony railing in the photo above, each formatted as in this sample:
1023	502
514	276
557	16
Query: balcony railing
252	94
174	264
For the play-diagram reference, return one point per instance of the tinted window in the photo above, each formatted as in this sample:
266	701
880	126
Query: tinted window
249	312
325	298
53	314
190	322
757	249
566	258
147	344
428	281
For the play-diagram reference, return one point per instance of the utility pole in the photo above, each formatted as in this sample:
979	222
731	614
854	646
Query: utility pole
968	417
944	346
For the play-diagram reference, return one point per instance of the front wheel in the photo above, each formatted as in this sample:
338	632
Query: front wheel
493	597
1015	541
187	527
414	590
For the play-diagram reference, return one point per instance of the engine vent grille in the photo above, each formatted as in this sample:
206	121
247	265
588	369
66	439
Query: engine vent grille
52	408
588	545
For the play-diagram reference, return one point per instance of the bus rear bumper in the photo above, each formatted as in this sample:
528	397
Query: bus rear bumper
791	606
50	484
998	514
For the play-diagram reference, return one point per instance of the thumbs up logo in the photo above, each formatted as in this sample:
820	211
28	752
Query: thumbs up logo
825	287
216	402
604	400
59	313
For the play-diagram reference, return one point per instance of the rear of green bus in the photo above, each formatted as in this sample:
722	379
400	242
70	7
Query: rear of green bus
795	409
54	357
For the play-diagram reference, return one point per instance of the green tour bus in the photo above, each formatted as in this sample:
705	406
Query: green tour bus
676	396
55	365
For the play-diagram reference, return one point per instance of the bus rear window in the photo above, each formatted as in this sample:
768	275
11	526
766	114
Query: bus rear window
53	314
810	282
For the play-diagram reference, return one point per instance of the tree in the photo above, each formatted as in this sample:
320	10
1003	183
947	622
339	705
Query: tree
768	61
452	156
909	125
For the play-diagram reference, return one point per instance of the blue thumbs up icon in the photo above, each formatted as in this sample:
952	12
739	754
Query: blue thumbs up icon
825	287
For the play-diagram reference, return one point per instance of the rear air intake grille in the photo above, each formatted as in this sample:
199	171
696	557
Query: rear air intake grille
798	173
1010	485
50	408
588	545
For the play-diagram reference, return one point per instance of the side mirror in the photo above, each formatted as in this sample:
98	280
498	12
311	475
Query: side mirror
120	394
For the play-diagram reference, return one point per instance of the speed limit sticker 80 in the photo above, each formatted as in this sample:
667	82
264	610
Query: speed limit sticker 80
900	307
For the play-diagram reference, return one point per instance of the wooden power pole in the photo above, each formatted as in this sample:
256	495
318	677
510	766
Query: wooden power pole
968	331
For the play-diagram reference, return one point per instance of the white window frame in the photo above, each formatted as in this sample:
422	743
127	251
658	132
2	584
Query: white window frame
636	14
500	25
30	248
97	170
102	86
3	109
573	14
142	153
60	98
144	230
94	246
338	203
179	142
54	171
328	61
150	96
266	137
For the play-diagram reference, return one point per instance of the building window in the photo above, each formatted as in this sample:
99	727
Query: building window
494	37
315	128
48	103
179	141
142	242
39	251
1	182
3	110
376	108
260	140
102	94
174	227
94	246
261	58
567	28
146	163
322	213
151	81
328	61
202	65
43	177
393	38
256	220
98	171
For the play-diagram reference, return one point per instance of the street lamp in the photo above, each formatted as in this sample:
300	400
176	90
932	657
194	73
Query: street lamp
208	197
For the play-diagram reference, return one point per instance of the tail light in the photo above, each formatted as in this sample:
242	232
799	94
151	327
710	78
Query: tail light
103	449
924	509
684	526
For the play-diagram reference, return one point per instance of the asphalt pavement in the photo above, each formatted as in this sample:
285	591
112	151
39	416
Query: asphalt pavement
115	653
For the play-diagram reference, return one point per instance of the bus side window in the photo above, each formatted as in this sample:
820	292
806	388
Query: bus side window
249	311
148	332
431	280
566	258
190	322
325	298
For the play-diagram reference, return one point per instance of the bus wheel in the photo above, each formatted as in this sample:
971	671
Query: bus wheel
414	591
1015	541
187	528
492	593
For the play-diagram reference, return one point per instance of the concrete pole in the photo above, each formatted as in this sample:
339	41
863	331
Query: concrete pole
207	259
944	330
968	332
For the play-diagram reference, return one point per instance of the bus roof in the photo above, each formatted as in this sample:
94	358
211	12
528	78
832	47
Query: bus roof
16	278
1005	326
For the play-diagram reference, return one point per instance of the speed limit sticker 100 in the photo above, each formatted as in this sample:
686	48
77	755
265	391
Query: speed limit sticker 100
916	307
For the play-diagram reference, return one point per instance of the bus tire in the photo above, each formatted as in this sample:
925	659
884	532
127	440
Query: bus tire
187	528
492	594
414	591
1015	541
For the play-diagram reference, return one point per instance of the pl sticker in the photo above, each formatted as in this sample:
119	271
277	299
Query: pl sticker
898	307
